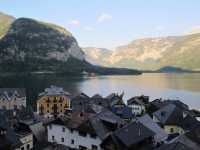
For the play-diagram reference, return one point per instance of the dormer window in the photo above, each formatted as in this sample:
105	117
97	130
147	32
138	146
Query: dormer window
2	132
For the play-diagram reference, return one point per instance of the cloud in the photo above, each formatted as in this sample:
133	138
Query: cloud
88	28
159	28
104	17
193	30
74	22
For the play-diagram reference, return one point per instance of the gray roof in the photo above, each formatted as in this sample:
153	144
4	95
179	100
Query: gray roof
160	134
9	93
96	96
135	101
123	112
98	121
133	133
170	115
53	90
174	115
190	143
107	115
140	100
11	137
174	146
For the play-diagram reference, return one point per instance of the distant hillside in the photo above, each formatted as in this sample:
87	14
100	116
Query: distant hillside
97	56
155	53
169	69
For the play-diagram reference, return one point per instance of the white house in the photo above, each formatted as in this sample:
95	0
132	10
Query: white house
137	106
70	134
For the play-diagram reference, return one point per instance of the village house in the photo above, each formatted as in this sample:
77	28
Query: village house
80	103
190	140
53	101
115	100
137	105
175	120
123	112
132	136
160	135
67	133
83	130
11	98
16	137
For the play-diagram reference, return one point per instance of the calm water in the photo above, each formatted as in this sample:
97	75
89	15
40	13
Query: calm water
185	87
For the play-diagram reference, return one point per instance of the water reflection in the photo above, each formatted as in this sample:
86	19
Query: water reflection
177	86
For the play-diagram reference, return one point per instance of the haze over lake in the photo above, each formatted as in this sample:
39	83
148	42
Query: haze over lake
185	87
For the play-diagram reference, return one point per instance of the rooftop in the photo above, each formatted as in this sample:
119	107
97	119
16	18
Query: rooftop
138	133
53	90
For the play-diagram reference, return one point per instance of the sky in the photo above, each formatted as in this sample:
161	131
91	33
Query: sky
111	23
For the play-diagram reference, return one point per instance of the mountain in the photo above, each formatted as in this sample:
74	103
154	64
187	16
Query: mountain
169	69
155	53
97	56
28	45
5	22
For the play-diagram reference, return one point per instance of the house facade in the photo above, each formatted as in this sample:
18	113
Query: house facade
137	106
63	135
11	98
175	120
53	101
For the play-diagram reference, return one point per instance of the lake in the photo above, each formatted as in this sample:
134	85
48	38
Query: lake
184	86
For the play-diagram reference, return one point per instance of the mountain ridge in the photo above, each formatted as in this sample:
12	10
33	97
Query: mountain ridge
155	53
28	45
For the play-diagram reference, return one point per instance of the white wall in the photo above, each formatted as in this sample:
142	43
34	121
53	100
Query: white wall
27	140
137	109
57	132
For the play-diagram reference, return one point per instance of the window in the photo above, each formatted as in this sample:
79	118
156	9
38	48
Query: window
47	111
60	105
72	141
71	130
63	129
50	127
94	147
28	146
47	105
93	136
62	139
172	130
52	138
82	134
82	147
22	148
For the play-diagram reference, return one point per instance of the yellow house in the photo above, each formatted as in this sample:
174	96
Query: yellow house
53	101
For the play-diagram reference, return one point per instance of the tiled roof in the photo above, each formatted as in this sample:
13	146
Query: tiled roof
133	133
149	123
173	115
123	112
169	115
174	146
